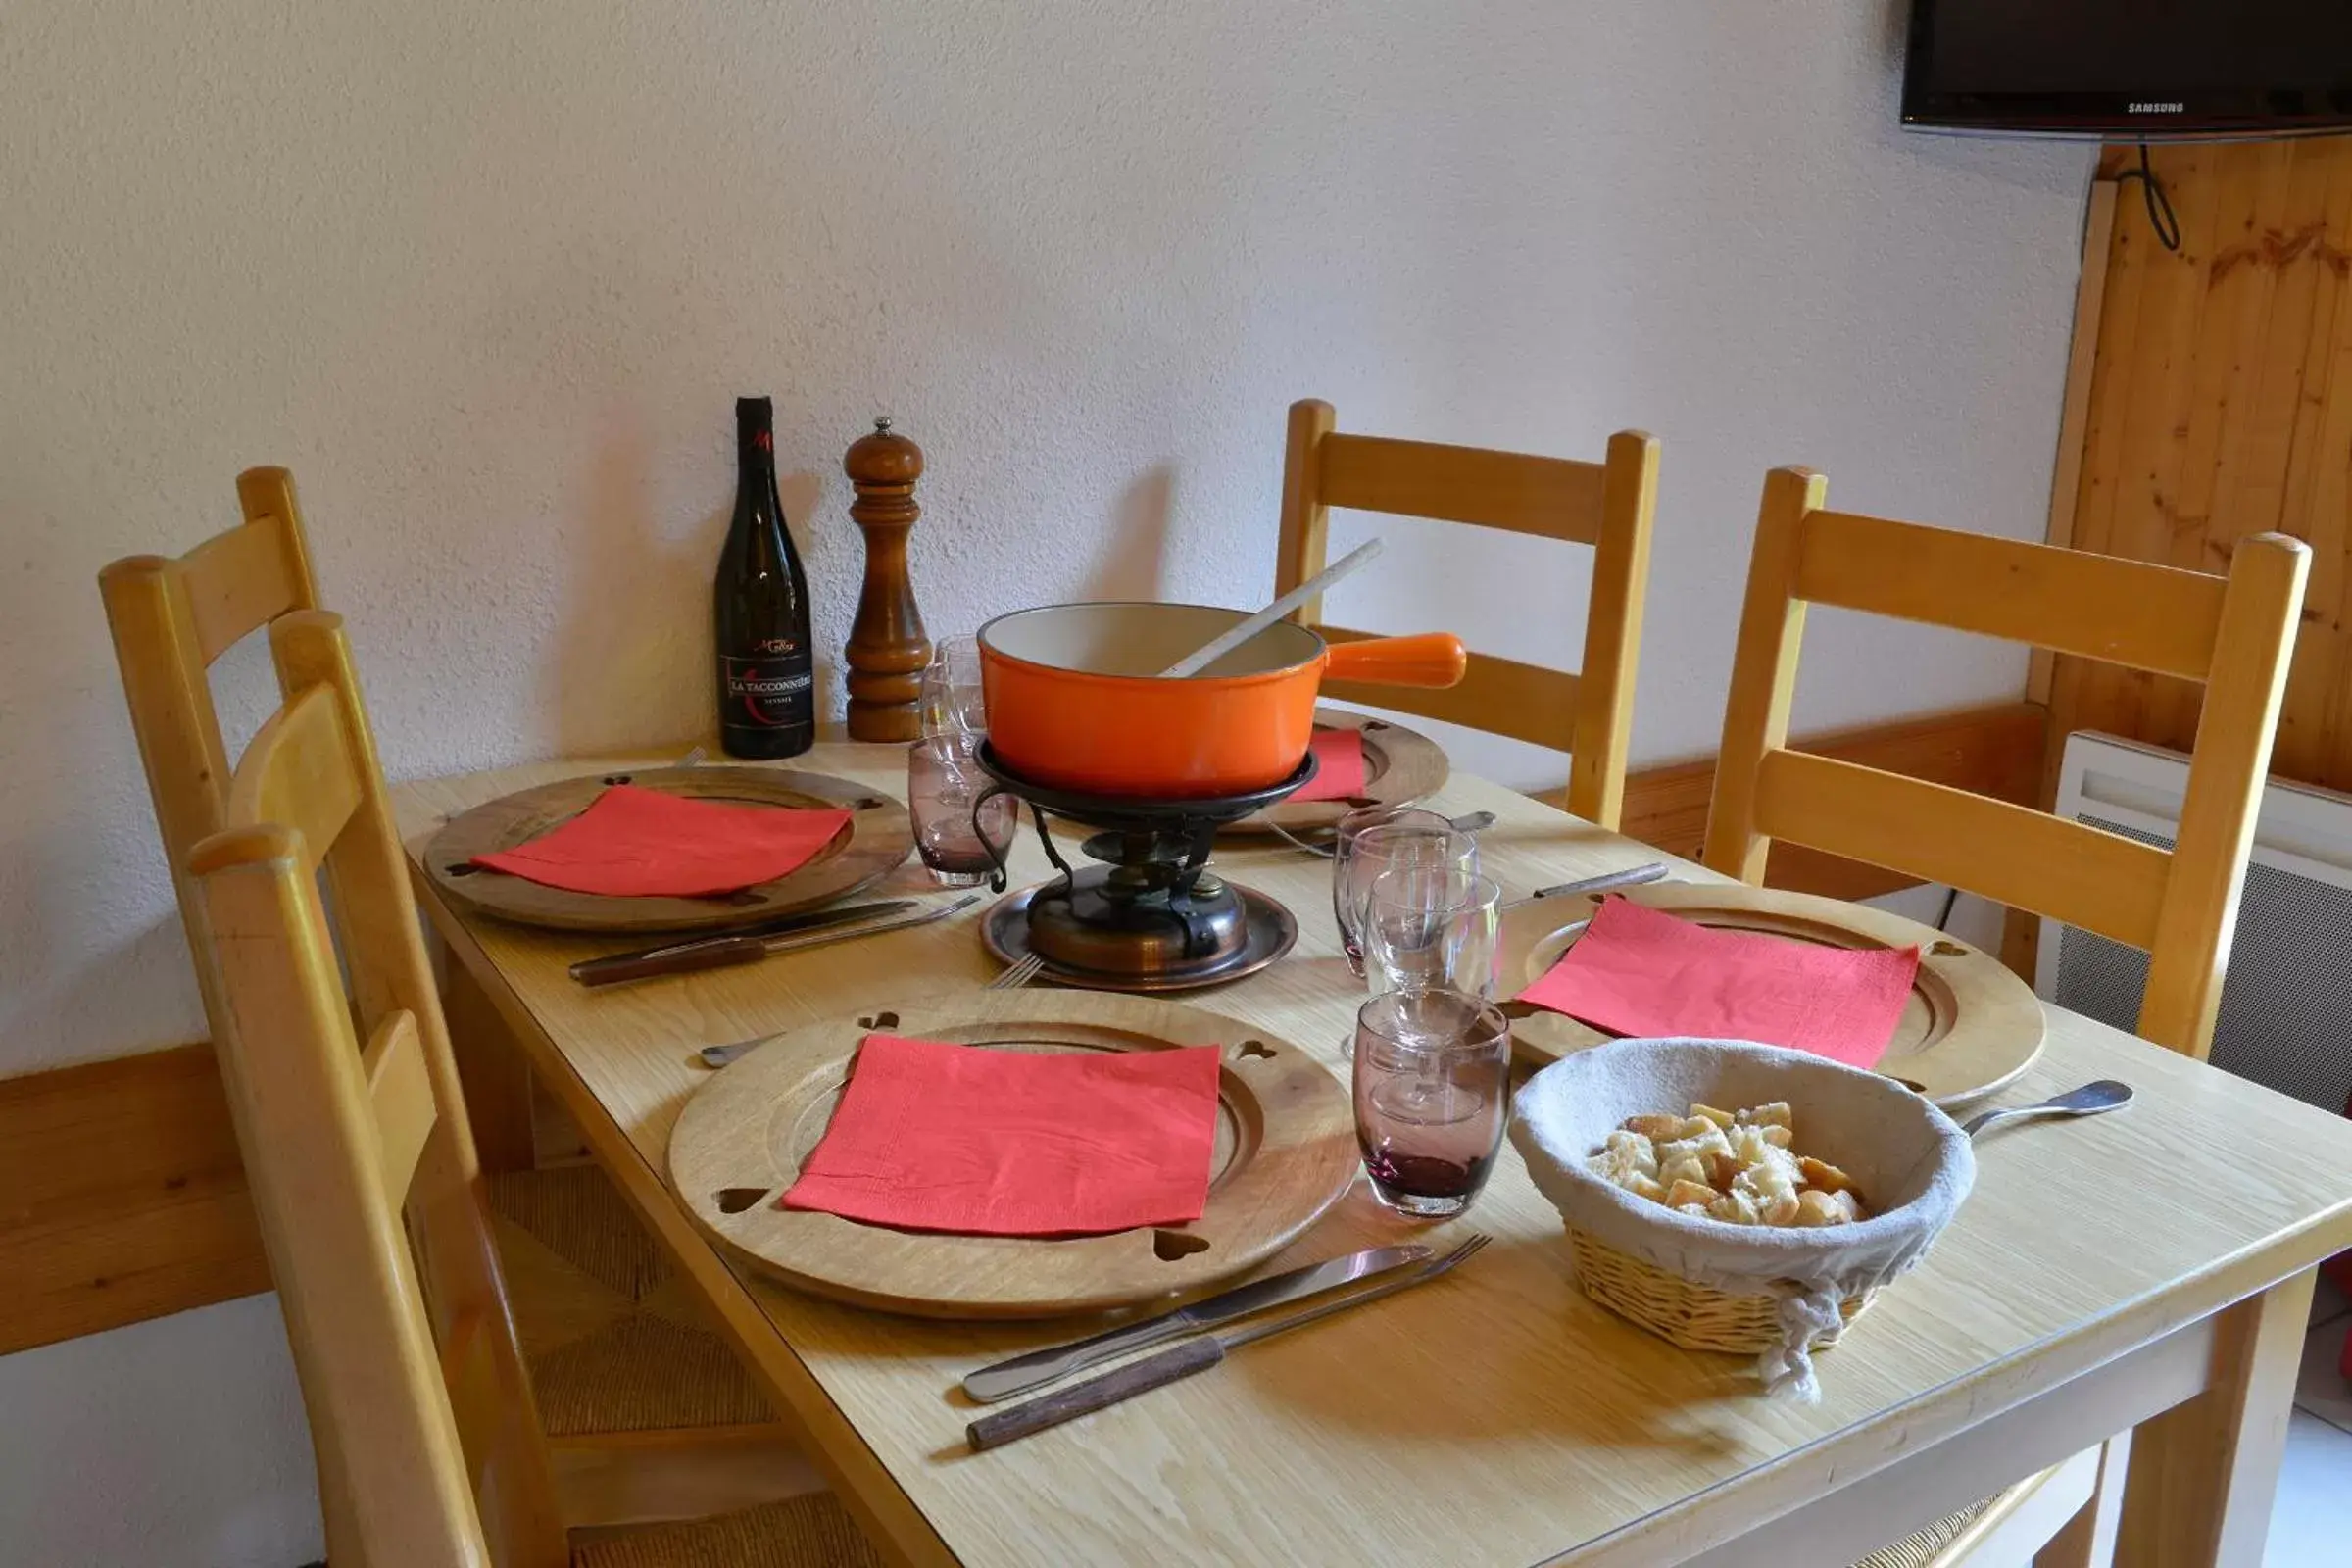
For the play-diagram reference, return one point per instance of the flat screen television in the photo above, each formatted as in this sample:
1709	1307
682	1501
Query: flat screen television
2129	67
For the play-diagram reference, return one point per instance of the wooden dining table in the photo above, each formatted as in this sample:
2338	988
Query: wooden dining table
2151	1269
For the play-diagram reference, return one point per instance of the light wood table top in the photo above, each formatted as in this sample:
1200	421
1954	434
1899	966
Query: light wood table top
1498	1416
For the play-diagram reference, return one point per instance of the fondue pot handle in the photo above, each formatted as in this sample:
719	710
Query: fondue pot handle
1430	658
997	874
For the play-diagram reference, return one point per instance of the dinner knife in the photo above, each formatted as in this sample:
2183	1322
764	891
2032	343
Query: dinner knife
719	952
1023	1373
1631	877
617	967
1179	1361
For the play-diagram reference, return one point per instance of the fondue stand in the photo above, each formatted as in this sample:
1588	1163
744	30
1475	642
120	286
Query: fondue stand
1088	723
1152	916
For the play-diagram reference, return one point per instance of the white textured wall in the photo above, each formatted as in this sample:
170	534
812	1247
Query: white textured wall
177	1442
486	276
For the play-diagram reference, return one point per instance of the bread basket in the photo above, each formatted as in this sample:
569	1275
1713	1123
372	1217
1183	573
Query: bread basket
1707	1285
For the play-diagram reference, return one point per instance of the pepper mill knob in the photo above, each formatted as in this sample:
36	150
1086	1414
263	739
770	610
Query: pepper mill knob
887	648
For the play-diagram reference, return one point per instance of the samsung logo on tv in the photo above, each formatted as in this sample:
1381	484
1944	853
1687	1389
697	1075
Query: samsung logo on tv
2158	109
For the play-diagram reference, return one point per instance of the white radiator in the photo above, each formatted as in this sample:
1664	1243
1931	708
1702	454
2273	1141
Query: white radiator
2287	1004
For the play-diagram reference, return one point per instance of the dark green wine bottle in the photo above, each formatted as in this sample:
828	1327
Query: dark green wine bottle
766	666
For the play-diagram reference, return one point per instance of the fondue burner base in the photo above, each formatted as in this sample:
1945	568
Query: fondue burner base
1152	917
1018	921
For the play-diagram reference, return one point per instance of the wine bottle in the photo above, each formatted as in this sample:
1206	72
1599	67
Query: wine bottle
766	672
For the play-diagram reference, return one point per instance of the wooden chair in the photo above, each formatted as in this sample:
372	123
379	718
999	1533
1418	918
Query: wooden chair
629	1378
2234	634
353	1127
172	620
1605	505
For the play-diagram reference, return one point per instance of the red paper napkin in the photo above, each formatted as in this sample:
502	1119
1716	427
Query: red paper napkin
1339	756
633	843
933	1137
1640	971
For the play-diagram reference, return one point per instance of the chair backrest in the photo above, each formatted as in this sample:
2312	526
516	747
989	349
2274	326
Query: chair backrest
172	618
2234	634
1606	505
354	1140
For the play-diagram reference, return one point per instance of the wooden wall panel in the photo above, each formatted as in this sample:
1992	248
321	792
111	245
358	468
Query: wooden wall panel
122	1196
2221	405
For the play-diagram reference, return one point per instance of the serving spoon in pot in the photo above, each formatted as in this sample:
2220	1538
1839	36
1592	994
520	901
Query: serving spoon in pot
1241	631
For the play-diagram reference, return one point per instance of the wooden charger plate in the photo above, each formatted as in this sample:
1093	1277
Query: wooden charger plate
1285	1152
1970	1026
878	836
1401	767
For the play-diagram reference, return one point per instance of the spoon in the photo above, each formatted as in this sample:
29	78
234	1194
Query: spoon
1241	631
2088	1101
720	1055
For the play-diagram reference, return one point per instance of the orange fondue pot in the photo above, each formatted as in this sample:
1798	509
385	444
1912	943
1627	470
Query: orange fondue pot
1075	698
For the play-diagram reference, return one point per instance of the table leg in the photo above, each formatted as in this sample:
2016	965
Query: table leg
492	1070
2087	1540
2204	1474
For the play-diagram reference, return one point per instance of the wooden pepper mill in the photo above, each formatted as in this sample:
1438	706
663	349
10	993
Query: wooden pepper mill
887	649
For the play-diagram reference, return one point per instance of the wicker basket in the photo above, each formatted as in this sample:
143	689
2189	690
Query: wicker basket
1704	1285
1696	1317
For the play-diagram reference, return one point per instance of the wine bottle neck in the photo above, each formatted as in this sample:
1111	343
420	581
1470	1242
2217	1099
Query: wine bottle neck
756	454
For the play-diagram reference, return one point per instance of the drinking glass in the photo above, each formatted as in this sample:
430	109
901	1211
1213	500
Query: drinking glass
1432	1082
953	700
942	781
1432	927
1406	837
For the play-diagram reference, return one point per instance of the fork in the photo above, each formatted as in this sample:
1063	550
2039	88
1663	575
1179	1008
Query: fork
1436	1266
1475	822
1018	974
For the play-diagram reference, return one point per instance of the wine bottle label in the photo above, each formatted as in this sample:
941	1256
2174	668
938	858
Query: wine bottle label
767	693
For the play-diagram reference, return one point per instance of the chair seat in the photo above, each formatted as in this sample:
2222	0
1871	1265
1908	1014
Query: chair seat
1921	1548
813	1531
612	1336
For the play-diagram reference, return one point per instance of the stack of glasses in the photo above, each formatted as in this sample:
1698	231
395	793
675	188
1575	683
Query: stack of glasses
1432	1053
944	777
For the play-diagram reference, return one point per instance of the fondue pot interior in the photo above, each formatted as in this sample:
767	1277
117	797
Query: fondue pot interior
1143	639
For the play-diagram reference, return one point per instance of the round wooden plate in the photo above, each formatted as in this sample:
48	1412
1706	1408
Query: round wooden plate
1285	1150
878	836
1401	767
1970	1027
